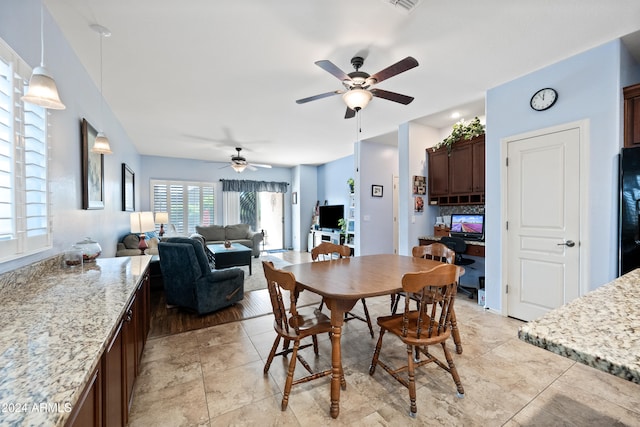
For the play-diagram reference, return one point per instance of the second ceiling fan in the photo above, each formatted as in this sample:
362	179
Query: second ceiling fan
359	85
239	163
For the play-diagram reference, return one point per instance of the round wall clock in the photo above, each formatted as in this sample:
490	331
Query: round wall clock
543	99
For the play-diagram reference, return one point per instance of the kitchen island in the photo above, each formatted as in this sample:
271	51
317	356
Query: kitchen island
56	324
600	329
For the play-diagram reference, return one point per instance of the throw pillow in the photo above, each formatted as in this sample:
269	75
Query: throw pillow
131	241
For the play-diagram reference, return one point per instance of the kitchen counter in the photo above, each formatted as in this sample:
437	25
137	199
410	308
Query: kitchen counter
601	329
54	327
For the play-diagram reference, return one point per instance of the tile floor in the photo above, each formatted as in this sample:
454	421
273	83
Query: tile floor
213	377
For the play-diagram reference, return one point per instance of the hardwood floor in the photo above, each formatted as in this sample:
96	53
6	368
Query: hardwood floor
168	321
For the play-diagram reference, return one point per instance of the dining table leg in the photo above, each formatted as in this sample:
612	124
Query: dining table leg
338	308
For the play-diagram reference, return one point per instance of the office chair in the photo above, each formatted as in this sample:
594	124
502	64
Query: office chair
459	247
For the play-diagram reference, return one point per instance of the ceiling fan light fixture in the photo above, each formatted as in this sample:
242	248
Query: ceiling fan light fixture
101	144
238	167
357	98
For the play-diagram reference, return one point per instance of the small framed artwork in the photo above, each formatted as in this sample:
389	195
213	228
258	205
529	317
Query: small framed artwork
92	169
419	185
294	198
128	189
376	190
419	204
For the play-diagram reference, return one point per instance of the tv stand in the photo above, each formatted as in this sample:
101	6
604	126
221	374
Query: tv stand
318	236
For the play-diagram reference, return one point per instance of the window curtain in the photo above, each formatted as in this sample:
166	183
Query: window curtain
239	186
231	205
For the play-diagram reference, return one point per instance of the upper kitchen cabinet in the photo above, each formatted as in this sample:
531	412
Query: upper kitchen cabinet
632	116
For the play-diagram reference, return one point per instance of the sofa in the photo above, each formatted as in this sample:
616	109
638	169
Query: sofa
128	246
191	283
238	233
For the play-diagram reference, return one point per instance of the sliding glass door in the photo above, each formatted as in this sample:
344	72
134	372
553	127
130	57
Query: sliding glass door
263	211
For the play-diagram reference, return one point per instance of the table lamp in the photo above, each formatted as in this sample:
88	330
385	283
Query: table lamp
141	222
162	218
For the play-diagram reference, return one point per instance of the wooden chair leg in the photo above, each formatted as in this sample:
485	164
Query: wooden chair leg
366	316
289	382
272	354
453	370
412	382
376	353
455	332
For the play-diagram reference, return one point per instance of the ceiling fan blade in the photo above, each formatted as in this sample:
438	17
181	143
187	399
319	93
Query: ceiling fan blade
260	166
392	96
330	67
349	114
399	67
251	167
320	96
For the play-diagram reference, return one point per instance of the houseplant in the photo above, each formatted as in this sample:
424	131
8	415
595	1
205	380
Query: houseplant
351	184
461	131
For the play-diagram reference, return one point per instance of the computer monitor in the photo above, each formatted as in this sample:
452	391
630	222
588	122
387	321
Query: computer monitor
467	226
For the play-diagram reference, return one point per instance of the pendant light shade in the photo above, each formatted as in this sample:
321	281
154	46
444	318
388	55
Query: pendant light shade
357	99
42	88
101	144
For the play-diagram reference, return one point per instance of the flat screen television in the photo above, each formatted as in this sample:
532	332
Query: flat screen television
330	215
467	226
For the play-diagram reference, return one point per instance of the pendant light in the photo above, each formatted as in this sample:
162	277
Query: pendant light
101	144
42	88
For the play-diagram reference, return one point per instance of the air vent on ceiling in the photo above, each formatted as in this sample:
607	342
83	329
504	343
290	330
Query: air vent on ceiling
406	5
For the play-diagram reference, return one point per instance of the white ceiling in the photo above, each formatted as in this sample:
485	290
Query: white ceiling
193	79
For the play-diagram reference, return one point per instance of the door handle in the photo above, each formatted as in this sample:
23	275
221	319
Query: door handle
568	243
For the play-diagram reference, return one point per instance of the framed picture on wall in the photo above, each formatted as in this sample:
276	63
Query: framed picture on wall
128	189
418	206
419	185
92	169
376	190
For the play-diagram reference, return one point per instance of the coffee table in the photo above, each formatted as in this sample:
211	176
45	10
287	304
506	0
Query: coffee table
234	256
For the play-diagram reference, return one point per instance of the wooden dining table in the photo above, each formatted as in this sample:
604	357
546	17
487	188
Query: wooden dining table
342	282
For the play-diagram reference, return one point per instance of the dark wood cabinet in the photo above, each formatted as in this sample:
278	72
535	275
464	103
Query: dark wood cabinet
457	178
113	370
88	410
107	398
632	115
438	172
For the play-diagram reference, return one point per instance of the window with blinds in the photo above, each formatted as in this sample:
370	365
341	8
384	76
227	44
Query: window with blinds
187	203
24	194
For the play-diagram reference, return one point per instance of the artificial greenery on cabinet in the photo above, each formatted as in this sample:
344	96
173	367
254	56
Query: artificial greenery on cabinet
461	131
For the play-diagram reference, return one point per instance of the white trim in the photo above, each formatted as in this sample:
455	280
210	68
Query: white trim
585	145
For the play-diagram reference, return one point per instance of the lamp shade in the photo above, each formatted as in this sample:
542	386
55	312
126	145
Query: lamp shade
357	99
101	144
141	222
162	218
43	91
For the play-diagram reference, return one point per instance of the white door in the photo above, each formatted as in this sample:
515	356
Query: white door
543	214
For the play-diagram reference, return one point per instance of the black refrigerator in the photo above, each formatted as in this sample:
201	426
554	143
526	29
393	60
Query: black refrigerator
629	233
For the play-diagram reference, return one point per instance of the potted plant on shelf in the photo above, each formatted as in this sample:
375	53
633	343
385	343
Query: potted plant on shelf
351	184
342	223
461	131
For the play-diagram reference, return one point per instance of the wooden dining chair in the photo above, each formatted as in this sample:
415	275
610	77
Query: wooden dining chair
427	326
293	325
327	251
437	252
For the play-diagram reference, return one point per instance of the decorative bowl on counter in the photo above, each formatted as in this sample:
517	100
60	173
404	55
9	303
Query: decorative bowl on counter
90	249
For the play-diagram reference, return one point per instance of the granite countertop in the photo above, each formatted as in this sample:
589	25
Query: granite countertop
437	238
601	329
53	330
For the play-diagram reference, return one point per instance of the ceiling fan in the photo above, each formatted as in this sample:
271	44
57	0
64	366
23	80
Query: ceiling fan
239	163
359	85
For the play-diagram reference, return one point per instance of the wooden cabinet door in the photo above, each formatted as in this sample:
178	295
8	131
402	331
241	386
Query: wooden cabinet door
477	168
460	164
129	334
113	378
438	172
632	116
88	410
